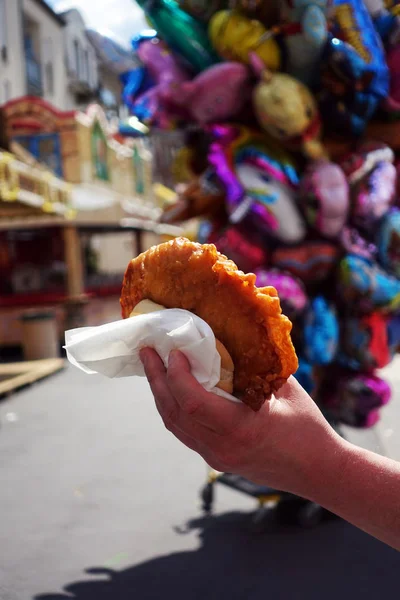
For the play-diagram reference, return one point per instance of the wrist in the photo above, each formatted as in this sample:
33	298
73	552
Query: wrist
325	468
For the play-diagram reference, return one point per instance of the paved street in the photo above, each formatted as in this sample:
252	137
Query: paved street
98	502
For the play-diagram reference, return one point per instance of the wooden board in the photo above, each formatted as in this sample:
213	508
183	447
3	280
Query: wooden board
16	375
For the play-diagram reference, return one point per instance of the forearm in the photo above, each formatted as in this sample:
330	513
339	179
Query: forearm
362	488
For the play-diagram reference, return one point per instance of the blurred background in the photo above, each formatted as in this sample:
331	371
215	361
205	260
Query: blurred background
269	128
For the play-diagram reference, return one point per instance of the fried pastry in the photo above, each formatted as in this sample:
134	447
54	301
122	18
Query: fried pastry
246	319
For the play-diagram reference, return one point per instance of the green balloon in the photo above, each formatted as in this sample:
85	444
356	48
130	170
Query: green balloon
181	32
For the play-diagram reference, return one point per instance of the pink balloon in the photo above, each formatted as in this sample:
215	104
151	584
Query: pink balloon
217	94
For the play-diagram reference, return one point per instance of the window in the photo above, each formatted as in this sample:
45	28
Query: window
77	52
48	65
86	65
3	29
49	78
6	90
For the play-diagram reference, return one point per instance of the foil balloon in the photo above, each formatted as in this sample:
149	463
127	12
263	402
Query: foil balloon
357	399
287	110
353	243
146	35
260	181
311	262
321	332
373	180
203	10
351	88
247	251
203	197
388	242
391	104
305	32
385	22
291	292
363	284
373	195
324	196
355	26
235	38
364	343
266	12
183	34
360	162
305	375
393	332
166	72
216	95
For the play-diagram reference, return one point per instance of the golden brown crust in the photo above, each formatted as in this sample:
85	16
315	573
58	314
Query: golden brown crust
247	320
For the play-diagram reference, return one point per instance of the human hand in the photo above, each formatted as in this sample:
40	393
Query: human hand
286	445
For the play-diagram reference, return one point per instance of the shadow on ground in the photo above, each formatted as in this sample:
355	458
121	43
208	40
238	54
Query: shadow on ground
333	561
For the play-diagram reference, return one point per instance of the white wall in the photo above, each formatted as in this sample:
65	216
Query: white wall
51	49
75	32
12	71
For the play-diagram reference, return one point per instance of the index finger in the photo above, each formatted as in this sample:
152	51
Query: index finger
218	414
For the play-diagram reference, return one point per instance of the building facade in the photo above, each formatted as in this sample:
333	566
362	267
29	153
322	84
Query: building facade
49	55
32	53
80	62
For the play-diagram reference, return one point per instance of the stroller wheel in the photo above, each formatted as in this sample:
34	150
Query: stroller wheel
310	515
207	497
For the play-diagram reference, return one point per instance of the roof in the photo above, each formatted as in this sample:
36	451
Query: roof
47	8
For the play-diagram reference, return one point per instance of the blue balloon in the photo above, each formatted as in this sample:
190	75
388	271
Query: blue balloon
147	34
321	332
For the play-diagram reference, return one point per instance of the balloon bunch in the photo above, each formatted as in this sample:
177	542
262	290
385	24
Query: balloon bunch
266	91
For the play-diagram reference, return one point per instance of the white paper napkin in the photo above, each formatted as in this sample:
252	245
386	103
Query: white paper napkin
113	349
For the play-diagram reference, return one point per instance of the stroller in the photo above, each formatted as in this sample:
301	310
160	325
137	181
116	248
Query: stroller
273	506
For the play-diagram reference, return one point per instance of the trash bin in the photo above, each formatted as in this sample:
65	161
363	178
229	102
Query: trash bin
40	336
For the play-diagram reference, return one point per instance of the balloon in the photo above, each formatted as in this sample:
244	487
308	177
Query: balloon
286	109
235	37
305	33
268	13
324	196
216	95
166	72
353	243
321	332
373	178
391	103
367	287
388	242
355	26
247	251
352	89
311	261
260	181
181	32
143	36
203	197
305	375
364	343
290	290
356	399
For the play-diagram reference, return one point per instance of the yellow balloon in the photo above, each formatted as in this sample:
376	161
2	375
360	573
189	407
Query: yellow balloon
235	37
